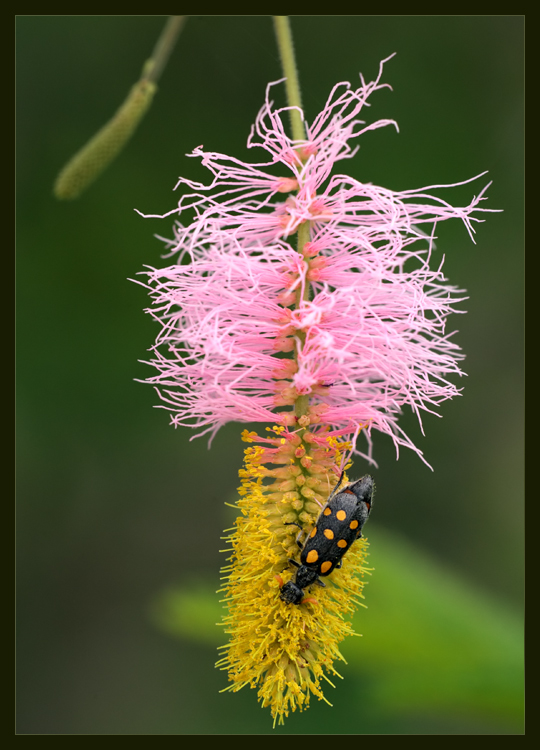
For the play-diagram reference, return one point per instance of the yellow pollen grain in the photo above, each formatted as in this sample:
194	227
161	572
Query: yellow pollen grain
341	515
353	524
325	567
342	543
312	556
329	534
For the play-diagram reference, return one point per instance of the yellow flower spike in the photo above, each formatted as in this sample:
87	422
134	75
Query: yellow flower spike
284	651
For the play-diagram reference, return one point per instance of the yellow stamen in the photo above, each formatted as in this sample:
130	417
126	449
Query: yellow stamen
284	650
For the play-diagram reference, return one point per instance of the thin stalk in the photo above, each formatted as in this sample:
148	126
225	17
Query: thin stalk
288	63
294	99
164	46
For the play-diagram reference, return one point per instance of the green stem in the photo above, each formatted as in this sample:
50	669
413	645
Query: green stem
288	63
302	402
303	237
164	46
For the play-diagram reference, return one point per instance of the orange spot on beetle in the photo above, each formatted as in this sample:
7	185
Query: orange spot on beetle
341	515
326	566
327	512
329	534
342	543
315	531
312	556
353	524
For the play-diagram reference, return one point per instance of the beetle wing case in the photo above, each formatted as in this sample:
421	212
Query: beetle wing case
338	526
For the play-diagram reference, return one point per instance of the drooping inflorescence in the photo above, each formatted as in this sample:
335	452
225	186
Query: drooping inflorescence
318	313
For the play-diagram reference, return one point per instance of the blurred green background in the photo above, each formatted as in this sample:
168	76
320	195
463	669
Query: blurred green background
120	516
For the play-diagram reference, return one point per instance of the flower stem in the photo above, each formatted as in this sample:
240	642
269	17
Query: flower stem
303	237
286	50
288	63
164	46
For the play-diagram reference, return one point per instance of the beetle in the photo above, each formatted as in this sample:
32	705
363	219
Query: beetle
339	524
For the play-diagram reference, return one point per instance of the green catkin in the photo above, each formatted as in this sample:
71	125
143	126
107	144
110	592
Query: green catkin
99	152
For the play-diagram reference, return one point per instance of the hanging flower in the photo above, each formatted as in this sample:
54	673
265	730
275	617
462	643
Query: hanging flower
324	341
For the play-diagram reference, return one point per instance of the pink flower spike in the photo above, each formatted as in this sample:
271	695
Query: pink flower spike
354	324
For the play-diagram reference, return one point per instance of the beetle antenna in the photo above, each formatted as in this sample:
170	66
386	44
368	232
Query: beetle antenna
339	482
